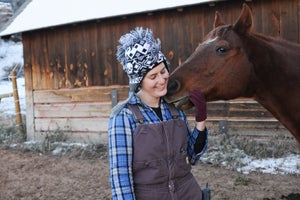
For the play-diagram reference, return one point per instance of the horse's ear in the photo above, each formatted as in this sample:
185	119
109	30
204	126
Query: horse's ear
244	22
218	20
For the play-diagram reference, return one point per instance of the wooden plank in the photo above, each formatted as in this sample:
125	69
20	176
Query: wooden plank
6	95
56	59
94	59
298	19
239	108
44	62
108	54
28	87
82	137
271	18
246	110
35	42
91	94
249	128
71	124
72	110
209	18
289	20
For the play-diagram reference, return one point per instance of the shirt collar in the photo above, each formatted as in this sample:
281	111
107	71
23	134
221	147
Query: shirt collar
137	100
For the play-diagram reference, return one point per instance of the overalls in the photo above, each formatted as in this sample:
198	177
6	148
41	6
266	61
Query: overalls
160	162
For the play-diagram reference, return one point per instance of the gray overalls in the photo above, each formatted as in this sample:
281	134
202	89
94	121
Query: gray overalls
160	161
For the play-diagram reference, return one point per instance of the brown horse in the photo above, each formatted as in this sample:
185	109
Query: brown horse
233	61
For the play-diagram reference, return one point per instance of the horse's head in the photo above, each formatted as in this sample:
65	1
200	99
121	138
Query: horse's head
219	67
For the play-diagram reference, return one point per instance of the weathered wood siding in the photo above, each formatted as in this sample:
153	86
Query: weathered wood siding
83	54
70	69
81	112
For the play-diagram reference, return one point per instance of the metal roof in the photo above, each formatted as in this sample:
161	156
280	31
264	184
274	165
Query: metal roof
38	14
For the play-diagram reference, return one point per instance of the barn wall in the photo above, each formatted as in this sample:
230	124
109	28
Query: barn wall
83	54
68	68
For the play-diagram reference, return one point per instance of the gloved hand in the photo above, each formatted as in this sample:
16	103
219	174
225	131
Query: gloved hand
198	100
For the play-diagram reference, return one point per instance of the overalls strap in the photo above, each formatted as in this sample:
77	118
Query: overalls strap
139	118
174	111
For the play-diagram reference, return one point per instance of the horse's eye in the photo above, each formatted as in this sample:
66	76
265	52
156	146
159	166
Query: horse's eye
222	49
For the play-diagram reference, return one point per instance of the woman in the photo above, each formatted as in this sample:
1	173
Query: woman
150	144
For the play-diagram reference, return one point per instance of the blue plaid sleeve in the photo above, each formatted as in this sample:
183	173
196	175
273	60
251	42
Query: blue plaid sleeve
120	155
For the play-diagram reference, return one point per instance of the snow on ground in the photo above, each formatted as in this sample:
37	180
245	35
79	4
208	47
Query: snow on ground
236	159
7	105
11	53
285	165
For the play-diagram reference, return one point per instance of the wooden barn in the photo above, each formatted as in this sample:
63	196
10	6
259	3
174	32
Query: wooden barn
73	78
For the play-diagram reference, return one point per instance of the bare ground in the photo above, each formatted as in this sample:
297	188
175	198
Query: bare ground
30	176
84	174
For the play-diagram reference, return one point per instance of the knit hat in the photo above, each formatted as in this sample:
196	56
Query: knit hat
138	53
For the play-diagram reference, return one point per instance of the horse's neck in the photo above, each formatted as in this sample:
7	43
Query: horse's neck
276	74
278	45
273	58
274	40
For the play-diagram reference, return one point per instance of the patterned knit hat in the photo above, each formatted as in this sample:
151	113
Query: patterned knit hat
138	53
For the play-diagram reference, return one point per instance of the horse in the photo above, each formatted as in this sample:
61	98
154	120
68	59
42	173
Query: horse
234	61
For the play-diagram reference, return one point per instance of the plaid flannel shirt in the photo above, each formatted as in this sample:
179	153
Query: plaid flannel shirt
120	130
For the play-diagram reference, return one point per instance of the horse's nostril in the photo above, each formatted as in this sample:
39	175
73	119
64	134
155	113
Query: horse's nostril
173	86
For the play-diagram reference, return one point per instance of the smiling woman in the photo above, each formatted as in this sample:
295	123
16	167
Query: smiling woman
154	85
151	146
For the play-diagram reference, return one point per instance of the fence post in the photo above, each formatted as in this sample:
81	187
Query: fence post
17	103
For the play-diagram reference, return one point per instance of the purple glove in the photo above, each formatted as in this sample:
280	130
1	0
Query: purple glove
198	100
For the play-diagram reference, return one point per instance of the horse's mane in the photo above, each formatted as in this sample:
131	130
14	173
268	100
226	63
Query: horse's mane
223	31
278	41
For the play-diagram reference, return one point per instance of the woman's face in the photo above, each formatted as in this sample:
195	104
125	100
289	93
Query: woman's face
155	81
